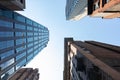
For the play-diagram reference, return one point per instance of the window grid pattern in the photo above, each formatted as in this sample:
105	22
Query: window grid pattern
21	40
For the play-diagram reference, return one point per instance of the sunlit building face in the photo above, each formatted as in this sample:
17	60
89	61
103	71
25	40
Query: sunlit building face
21	39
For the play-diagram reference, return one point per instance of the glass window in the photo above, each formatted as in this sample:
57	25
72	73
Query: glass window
20	34
28	21
9	72
6	54
30	39
6	64
36	42
29	33
20	56
29	28
19	17
35	24
6	44
30	50
19	26
20	49
6	23
20	41
35	52
6	34
20	64
35	47
35	29
29	45
6	13
35	38
35	34
30	57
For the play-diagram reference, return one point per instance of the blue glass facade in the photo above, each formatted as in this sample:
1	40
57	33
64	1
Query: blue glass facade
20	40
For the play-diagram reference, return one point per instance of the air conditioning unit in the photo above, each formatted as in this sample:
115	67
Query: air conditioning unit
13	4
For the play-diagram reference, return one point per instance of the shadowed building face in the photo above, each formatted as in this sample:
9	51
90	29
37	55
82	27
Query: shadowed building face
91	60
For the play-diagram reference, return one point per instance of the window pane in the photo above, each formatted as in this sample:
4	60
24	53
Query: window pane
6	64
20	56
21	64
6	34
19	26
20	34
6	54
6	23
20	49
5	13
6	44
19	17
28	21
20	41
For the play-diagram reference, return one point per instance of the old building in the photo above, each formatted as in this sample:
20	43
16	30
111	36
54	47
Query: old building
104	8
91	60
25	74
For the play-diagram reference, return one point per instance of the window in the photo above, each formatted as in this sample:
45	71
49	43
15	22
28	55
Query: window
20	34
6	23
20	56
6	34
28	21
35	38
29	28
6	54
29	45
35	29
20	64
35	24
6	13
30	39
6	64
19	26
6	44
35	34
30	57
19	17
29	33
20	49
30	50
9	72
20	41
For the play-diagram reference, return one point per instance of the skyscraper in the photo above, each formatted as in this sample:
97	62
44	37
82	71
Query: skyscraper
25	74
75	9
21	39
104	8
91	60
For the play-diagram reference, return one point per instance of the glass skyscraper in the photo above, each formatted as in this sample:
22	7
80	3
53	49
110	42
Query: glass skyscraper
20	40
75	9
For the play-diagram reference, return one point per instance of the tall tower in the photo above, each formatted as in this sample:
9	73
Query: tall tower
21	39
91	60
75	9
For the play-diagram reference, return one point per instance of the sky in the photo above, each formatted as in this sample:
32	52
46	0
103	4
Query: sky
51	13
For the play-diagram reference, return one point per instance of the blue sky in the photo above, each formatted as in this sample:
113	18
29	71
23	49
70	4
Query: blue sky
51	13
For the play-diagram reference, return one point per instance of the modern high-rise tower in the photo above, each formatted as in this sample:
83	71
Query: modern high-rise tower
21	39
90	60
75	9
